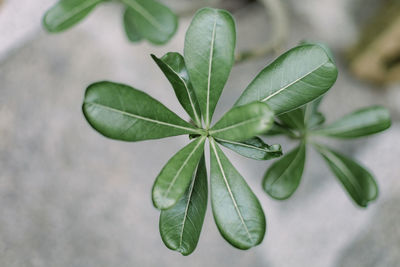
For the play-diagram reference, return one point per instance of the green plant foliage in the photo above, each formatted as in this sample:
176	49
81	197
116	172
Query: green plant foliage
175	177
282	84
293	119
131	29
253	148
173	66
237	211
142	19
180	191
242	123
67	13
305	123
359	183
154	21
124	113
362	122
180	226
212	35
283	177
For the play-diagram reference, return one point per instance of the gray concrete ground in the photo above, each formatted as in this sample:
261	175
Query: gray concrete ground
70	197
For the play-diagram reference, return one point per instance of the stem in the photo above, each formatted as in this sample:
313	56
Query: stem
279	19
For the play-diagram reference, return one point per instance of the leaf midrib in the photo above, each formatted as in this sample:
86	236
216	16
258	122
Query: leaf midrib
212	142
74	11
345	129
142	118
295	81
198	121
242	144
343	168
151	19
187	207
200	141
288	167
210	61
211	132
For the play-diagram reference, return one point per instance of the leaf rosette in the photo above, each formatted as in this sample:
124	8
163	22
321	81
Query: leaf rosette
198	77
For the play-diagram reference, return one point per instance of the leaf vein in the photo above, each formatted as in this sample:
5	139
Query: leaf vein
230	191
141	117
209	72
290	84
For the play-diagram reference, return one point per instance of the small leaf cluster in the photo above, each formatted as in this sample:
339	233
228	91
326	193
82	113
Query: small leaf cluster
305	124
142	19
198	77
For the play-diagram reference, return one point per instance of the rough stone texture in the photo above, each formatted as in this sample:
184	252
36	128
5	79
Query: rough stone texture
70	197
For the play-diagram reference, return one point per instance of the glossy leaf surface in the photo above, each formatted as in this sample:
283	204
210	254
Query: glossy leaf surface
67	13
323	46
153	20
130	27
253	148
244	122
173	66
362	122
209	54
357	181
292	80
180	226
175	177
121	112
283	177
237	211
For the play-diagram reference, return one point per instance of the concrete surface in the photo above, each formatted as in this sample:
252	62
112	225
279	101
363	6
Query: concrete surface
70	197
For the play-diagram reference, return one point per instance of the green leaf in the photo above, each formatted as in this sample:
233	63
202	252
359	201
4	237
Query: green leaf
294	79
283	177
253	148
244	122
362	122
174	178
278	129
121	112
358	182
130	27
67	13
153	20
209	54
237	211
323	46
293	119
174	68
180	226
